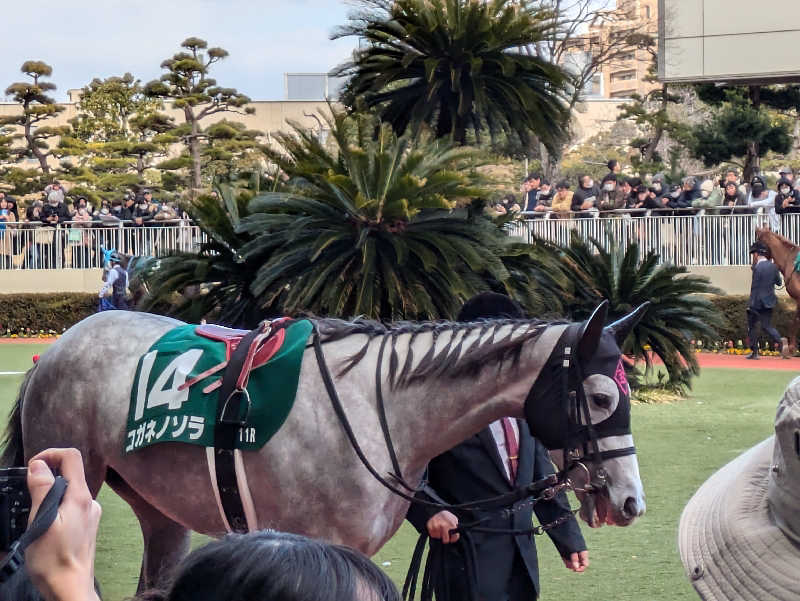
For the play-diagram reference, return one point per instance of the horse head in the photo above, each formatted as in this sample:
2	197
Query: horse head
579	407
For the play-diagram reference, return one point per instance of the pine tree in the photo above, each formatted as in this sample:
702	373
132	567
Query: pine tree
187	83
37	108
744	124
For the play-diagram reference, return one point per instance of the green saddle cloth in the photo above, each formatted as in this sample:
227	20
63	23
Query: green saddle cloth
159	412
797	262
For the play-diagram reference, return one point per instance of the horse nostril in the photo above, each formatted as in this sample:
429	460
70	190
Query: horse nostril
630	508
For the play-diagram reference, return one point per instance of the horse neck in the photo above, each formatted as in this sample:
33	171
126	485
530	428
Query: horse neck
782	252
435	414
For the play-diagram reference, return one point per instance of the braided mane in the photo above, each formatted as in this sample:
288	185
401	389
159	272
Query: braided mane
452	360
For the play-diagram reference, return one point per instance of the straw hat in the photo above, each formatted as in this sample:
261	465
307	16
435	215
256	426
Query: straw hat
739	535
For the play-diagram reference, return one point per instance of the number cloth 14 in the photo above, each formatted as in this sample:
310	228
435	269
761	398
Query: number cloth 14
160	412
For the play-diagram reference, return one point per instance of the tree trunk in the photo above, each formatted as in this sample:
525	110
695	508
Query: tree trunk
752	162
31	142
194	151
650	151
140	165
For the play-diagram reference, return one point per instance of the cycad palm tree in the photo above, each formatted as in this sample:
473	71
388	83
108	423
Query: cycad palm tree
213	282
680	310
457	65
381	227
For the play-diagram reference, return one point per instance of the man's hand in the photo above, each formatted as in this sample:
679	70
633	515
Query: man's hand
577	562
440	525
61	561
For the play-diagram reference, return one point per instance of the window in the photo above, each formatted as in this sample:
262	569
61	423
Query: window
623	94
623	75
647	12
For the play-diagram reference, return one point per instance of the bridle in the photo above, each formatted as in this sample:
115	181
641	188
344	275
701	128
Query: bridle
582	439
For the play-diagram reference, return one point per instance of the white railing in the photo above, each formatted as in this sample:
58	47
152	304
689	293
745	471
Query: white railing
77	245
682	240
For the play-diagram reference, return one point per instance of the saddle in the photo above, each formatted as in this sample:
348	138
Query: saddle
244	352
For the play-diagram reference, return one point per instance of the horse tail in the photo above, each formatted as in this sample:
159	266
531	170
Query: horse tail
13	449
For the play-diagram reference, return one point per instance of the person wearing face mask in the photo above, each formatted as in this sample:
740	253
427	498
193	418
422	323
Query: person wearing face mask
544	199
763	198
786	200
141	213
584	201
674	198
55	214
611	195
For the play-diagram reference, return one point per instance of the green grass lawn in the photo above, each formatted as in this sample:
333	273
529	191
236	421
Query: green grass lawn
679	446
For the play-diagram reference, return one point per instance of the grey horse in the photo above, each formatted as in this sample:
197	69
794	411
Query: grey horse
307	479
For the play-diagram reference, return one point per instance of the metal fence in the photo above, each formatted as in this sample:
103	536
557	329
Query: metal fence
681	240
77	245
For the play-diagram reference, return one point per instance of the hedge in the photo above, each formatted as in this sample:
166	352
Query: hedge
733	310
28	315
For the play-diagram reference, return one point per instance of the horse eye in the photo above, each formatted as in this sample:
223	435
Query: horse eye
602	400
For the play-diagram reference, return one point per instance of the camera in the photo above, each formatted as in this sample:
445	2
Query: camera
15	505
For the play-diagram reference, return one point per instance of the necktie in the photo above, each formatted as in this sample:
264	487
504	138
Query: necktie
512	447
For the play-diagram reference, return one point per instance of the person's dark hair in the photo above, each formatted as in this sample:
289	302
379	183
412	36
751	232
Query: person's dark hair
610	177
509	198
490	304
612	164
532	176
563	184
641	189
276	566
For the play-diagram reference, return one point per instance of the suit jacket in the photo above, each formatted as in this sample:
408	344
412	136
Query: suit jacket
473	470
762	289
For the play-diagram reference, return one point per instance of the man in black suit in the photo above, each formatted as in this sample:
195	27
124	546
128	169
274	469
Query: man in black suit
762	299
482	467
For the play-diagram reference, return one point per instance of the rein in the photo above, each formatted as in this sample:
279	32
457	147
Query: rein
580	428
492	503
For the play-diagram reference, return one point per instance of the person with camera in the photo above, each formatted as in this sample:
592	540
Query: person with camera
60	562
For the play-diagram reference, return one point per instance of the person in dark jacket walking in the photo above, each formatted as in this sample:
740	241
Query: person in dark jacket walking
762	299
491	463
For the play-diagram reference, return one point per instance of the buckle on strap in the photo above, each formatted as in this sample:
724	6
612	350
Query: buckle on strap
12	562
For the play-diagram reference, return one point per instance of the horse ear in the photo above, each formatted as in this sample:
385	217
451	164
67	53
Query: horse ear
623	326
591	332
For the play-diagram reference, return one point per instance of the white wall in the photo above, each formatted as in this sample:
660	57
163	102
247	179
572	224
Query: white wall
726	40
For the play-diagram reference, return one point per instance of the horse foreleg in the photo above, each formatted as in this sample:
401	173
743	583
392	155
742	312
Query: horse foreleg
165	542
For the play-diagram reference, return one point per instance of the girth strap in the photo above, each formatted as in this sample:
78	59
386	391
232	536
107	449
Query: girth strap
232	413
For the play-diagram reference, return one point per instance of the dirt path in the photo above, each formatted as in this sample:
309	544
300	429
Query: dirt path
705	359
741	362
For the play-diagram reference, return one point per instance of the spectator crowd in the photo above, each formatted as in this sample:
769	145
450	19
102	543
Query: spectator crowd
57	225
617	196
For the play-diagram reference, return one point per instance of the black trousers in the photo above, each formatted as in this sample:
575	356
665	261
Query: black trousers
762	318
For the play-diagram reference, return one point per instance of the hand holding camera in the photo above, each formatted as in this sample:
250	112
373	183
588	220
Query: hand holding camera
60	562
